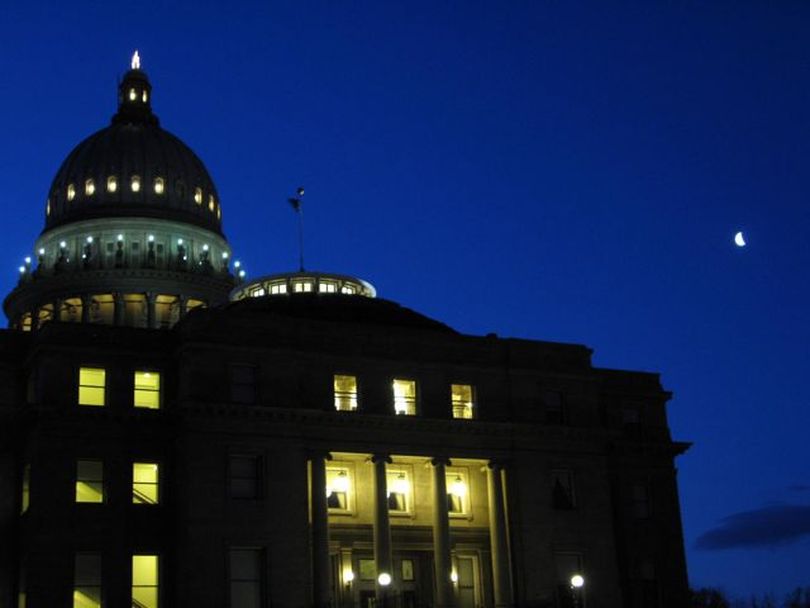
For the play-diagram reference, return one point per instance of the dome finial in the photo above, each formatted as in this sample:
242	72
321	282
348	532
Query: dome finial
136	60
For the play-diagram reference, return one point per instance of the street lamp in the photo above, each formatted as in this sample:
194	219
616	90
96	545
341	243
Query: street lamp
577	582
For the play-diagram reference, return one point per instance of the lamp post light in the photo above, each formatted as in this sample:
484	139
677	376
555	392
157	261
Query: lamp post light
577	582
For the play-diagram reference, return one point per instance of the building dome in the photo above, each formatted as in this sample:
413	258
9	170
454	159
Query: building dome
132	228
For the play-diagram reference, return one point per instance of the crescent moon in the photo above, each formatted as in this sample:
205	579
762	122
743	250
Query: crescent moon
739	239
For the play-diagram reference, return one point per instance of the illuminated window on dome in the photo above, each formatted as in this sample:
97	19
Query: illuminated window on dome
404	397
133	95
71	192
135	184
198	196
211	202
112	183
144	96
302	286
278	288
48	207
219	213
147	390
327	287
89	187
348	289
159	185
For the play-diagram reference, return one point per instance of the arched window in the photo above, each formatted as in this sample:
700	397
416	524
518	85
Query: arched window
158	185
198	196
71	192
112	183
133	95
135	184
89	187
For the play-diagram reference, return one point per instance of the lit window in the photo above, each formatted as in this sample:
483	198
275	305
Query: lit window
144	96
243	384
462	398
112	183
457	493
89	187
219	213
211	202
325	287
278	288
147	390
405	397
399	490
562	491
337	489
257	292
87	581
48	207
244	471
302	286
145	577
348	289
345	393
145	483
92	383
368	570
71	192
245	569
133	95
25	499
198	196
135	183
89	481
159	185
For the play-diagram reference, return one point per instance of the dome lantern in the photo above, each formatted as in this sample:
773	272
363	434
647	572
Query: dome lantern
135	96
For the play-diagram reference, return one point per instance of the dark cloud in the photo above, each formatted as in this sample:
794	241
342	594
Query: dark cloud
769	526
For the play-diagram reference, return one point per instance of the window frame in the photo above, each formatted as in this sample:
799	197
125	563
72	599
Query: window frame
333	469
260	571
234	385
157	484
451	474
468	406
392	473
258	460
414	400
86	480
96	583
136	390
558	474
102	386
352	397
158	577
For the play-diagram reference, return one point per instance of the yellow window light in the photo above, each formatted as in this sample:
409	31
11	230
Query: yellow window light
92	385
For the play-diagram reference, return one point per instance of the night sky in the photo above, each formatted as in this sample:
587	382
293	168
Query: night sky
554	170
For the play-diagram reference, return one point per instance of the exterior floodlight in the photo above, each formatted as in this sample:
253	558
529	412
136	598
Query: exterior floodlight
384	579
22	269
205	247
28	259
241	274
348	576
41	251
120	237
89	239
237	264
454	576
224	255
400	485
577	581
63	244
179	241
151	238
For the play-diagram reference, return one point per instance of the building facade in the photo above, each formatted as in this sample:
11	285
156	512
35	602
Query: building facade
299	442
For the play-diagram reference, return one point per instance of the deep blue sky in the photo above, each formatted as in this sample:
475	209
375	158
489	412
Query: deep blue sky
554	170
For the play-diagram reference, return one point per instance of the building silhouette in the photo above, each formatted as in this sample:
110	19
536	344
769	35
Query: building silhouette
174	435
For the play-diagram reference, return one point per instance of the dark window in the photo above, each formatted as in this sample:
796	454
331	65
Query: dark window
87	580
567	565
641	500
562	490
246	580
243	384
553	404
244	472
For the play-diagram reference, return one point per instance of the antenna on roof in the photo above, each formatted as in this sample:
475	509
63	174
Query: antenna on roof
295	202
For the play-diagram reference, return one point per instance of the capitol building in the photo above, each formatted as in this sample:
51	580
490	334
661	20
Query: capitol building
174	434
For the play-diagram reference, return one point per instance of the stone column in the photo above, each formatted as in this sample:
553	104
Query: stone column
119	308
57	309
320	530
151	314
441	536
502	584
383	558
86	302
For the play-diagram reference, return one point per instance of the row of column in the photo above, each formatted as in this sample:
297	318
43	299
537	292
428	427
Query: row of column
383	554
119	309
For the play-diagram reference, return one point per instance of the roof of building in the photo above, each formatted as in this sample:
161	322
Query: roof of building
172	183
